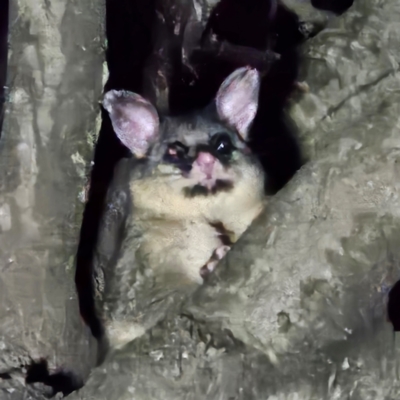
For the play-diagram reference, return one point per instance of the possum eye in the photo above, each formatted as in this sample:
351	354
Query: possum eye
177	154
222	144
177	149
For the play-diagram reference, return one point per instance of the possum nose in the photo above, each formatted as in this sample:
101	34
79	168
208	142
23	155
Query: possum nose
206	163
204	158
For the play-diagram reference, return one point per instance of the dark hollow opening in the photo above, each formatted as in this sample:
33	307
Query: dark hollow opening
393	306
62	381
128	30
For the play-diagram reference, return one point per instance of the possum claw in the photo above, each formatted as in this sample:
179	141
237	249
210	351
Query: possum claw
217	255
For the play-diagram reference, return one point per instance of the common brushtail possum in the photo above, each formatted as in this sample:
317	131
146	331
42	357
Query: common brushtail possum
188	193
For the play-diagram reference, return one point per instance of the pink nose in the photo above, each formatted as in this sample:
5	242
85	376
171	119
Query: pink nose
204	158
205	162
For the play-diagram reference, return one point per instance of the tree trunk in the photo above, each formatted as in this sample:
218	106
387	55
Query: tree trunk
50	126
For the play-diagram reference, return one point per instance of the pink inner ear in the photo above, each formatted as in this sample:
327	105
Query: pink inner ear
237	99
134	119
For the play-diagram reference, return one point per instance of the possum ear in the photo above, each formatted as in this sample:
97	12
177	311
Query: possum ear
237	100
134	119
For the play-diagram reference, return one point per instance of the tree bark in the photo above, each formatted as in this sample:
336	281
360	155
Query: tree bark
51	122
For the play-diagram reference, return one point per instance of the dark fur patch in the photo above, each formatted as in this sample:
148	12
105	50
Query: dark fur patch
183	165
226	236
222	186
199	190
196	190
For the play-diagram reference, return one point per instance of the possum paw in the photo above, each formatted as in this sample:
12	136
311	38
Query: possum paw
302	87
217	255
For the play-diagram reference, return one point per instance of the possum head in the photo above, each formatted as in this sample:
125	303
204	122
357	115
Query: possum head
197	157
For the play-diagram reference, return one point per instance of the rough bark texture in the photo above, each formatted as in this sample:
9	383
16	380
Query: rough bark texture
298	309
3	55
55	80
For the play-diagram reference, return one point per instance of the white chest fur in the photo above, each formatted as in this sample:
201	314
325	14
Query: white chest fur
178	233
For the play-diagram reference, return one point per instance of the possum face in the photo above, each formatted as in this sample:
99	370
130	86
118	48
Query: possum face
202	158
197	156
